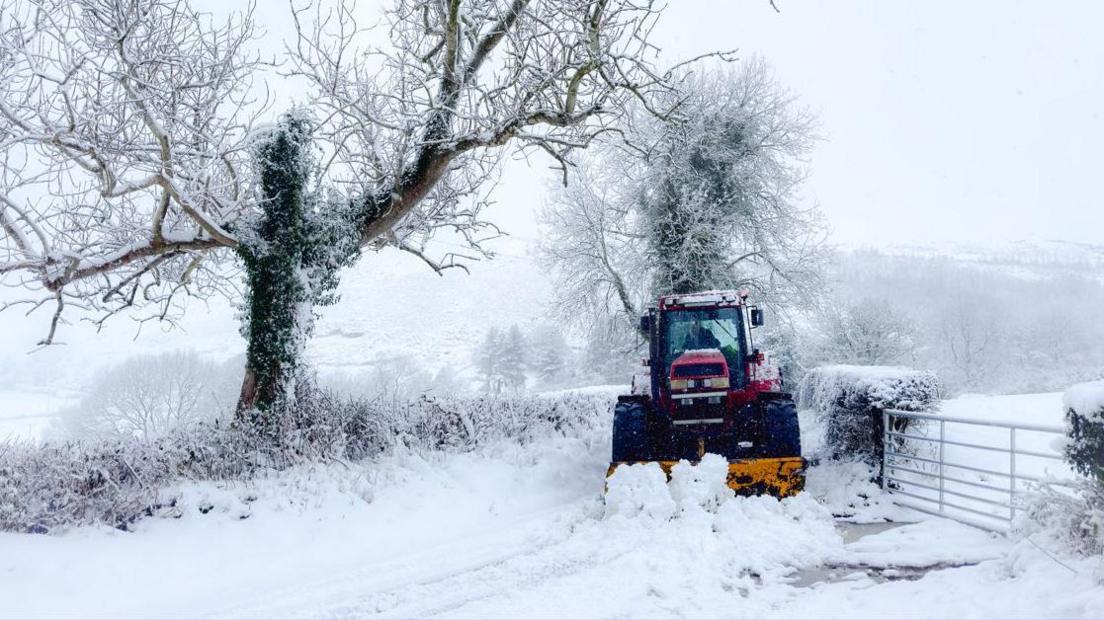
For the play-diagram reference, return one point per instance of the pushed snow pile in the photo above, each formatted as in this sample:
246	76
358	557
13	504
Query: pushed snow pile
695	519
1084	448
850	401
703	485
643	489
639	489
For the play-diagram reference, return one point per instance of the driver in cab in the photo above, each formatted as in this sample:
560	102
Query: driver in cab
700	338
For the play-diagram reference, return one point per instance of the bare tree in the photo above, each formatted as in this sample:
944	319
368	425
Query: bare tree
706	199
129	143
151	395
869	331
123	136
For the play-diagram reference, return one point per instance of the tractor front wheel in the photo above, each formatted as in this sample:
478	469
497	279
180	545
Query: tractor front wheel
781	429
630	431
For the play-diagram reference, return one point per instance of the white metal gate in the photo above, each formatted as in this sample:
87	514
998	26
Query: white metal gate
938	470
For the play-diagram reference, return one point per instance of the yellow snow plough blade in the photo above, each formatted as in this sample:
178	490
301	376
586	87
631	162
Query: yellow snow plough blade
780	477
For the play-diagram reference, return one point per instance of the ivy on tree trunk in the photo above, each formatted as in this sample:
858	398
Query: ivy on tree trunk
291	253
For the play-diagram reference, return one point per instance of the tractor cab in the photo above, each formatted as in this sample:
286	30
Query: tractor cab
690	335
705	388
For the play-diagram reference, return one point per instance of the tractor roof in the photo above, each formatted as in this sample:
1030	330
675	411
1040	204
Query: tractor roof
708	299
694	355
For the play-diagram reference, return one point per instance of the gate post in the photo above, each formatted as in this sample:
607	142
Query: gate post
885	446
942	423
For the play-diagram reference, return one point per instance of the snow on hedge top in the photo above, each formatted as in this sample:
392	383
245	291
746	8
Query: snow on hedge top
826	387
1086	399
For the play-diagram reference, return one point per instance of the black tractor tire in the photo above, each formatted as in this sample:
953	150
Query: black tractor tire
781	429
630	431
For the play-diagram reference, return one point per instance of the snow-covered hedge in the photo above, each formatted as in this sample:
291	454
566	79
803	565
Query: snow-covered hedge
117	482
1084	405
850	400
1075	520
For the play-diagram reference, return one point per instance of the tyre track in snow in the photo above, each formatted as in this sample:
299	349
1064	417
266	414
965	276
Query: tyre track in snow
388	587
513	574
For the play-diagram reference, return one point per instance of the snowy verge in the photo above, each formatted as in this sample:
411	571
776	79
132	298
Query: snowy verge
58	485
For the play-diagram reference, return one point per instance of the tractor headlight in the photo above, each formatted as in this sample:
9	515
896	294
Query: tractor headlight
678	384
721	382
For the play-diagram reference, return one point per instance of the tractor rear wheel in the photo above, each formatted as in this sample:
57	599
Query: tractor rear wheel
781	428
630	431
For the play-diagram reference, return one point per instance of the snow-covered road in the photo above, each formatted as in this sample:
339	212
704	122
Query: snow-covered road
523	531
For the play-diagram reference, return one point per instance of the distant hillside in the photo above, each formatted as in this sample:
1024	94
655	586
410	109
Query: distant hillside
1001	319
1030	258
393	306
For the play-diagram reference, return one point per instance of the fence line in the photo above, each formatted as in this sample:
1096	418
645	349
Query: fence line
921	482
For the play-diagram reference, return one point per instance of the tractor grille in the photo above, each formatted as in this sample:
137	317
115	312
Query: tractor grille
698	370
698	409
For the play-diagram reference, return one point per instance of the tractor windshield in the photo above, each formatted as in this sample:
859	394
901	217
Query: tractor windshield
715	328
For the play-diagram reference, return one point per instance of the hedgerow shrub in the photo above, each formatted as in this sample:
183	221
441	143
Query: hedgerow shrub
56	485
1084	405
850	401
1081	520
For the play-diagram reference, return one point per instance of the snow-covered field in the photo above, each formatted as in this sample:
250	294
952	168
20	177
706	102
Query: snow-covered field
26	414
524	532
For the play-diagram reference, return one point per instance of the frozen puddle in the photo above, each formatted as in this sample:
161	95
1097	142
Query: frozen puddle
839	573
851	532
868	543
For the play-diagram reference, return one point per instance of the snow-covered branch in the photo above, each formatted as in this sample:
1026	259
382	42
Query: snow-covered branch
124	131
417	126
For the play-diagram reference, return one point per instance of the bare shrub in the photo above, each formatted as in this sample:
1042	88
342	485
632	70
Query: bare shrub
1075	521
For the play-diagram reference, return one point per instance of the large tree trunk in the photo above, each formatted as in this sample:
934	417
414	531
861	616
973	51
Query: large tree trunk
277	318
279	296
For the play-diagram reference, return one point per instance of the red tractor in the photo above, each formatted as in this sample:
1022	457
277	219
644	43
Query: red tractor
705	388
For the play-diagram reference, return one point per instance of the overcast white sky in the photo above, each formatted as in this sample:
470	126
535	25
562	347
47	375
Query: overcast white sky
962	121
954	121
